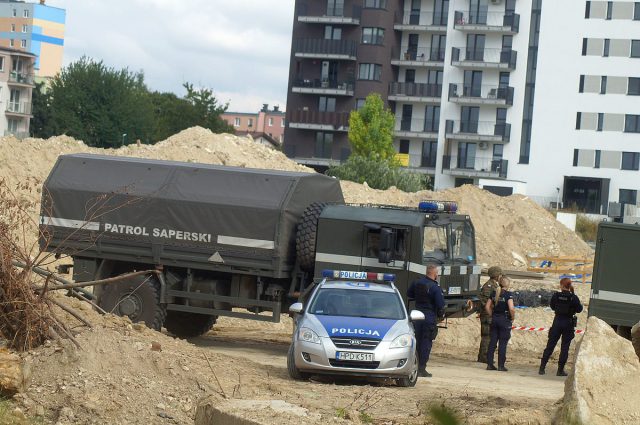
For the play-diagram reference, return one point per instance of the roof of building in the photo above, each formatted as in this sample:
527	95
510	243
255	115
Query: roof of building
259	135
16	51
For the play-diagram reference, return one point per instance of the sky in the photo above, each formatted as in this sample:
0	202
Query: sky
238	48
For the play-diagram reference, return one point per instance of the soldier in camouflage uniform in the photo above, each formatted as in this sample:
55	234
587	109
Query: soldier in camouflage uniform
490	285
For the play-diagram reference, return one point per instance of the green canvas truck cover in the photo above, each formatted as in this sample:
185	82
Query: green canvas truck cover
181	211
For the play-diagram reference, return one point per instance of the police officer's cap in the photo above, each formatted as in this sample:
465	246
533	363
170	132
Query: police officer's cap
495	271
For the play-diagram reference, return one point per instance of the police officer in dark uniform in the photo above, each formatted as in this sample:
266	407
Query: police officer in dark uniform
429	300
502	311
566	304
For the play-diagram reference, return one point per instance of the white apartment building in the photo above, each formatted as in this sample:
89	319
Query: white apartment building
16	87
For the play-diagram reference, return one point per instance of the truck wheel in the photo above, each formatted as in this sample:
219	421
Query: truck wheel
137	298
188	325
306	236
410	381
294	372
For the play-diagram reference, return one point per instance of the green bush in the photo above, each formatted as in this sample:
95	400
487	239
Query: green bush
586	228
379	174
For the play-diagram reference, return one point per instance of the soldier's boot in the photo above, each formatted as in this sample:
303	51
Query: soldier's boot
422	372
541	371
503	369
561	371
491	367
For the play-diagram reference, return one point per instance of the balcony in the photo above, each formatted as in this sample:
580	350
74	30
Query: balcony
328	87
331	15
421	21
480	95
317	120
416	127
478	131
475	167
18	108
415	92
488	22
17	134
419	57
19	78
319	48
504	59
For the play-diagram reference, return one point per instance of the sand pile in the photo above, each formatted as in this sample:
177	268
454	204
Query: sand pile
504	225
604	387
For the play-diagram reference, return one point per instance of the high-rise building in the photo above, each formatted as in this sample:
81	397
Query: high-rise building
34	28
16	87
496	93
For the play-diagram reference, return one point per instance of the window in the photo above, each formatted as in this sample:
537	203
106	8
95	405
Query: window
24	28
370	71
587	10
23	43
578	120
438	47
372	35
15	13
236	122
359	104
250	122
584	46
596	163
375	4
270	122
636	11
429	153
634	86
324	143
603	84
632	123
327	104
13	27
11	43
332	33
609	9
431	119
605	51
628	196
1	63
581	84
404	146
335	7
25	13
600	121
576	152
630	161
282	122
635	48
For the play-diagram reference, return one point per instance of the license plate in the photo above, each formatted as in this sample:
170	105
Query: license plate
359	357
455	290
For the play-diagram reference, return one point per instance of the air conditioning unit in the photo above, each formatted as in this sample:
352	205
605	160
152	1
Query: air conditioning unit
483	145
496	1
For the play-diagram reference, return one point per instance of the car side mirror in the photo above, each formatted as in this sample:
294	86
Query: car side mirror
416	315
296	308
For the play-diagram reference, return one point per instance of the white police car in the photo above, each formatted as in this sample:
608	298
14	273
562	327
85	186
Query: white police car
354	323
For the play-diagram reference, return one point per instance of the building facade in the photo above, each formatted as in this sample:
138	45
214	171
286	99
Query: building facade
16	86
34	28
485	92
270	122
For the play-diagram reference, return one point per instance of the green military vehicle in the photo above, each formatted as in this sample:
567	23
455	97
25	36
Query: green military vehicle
226	241
615	289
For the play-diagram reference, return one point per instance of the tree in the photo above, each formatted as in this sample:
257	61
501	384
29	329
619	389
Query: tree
207	110
102	106
40	124
371	130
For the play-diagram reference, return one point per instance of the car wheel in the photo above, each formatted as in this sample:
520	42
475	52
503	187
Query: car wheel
410	381
294	372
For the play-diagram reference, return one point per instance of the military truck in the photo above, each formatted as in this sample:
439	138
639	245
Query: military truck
226	241
615	289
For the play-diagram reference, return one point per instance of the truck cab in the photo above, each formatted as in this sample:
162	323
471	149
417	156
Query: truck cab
404	241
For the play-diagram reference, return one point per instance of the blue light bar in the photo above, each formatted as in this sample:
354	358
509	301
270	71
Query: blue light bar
438	207
346	274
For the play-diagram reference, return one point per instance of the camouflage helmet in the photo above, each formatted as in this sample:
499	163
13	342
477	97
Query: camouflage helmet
495	271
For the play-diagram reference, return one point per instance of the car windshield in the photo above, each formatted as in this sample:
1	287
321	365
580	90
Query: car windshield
435	243
357	303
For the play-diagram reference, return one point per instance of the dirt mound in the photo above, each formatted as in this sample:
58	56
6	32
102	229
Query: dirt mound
604	362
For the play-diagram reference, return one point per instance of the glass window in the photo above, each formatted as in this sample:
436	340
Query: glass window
587	10
596	163
324	144
270	122
23	43
434	243
462	241
634	86
605	51
630	160
375	4
1	63
635	48
370	71
578	120
25	13
603	84
632	123
13	27
609	9
353	303
372	35
15	12
335	7
236	122
250	122
282	122
327	104
429	153
576	152
24	28
332	33
581	84
404	146
11	43
359	104
636	11
584	46
628	196
600	121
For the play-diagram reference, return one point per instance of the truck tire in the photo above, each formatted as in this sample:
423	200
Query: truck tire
137	298
410	381
294	372
188	325
306	236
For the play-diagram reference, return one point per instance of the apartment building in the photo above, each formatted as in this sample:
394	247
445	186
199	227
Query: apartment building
270	122
482	90
35	28
16	85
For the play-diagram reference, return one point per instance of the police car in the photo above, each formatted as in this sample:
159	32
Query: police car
354	323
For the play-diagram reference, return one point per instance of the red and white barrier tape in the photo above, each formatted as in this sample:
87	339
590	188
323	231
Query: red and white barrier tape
534	329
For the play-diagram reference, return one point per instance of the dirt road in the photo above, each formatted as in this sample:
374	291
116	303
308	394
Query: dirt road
519	396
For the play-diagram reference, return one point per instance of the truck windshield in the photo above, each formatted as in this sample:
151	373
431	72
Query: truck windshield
357	303
435	243
462	241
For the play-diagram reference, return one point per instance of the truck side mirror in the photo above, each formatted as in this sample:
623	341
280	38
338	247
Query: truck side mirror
296	308
387	245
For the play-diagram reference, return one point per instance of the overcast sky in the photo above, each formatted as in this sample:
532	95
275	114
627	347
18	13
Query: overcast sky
238	48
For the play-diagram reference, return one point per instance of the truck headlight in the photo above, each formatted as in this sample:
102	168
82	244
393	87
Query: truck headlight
402	341
306	334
